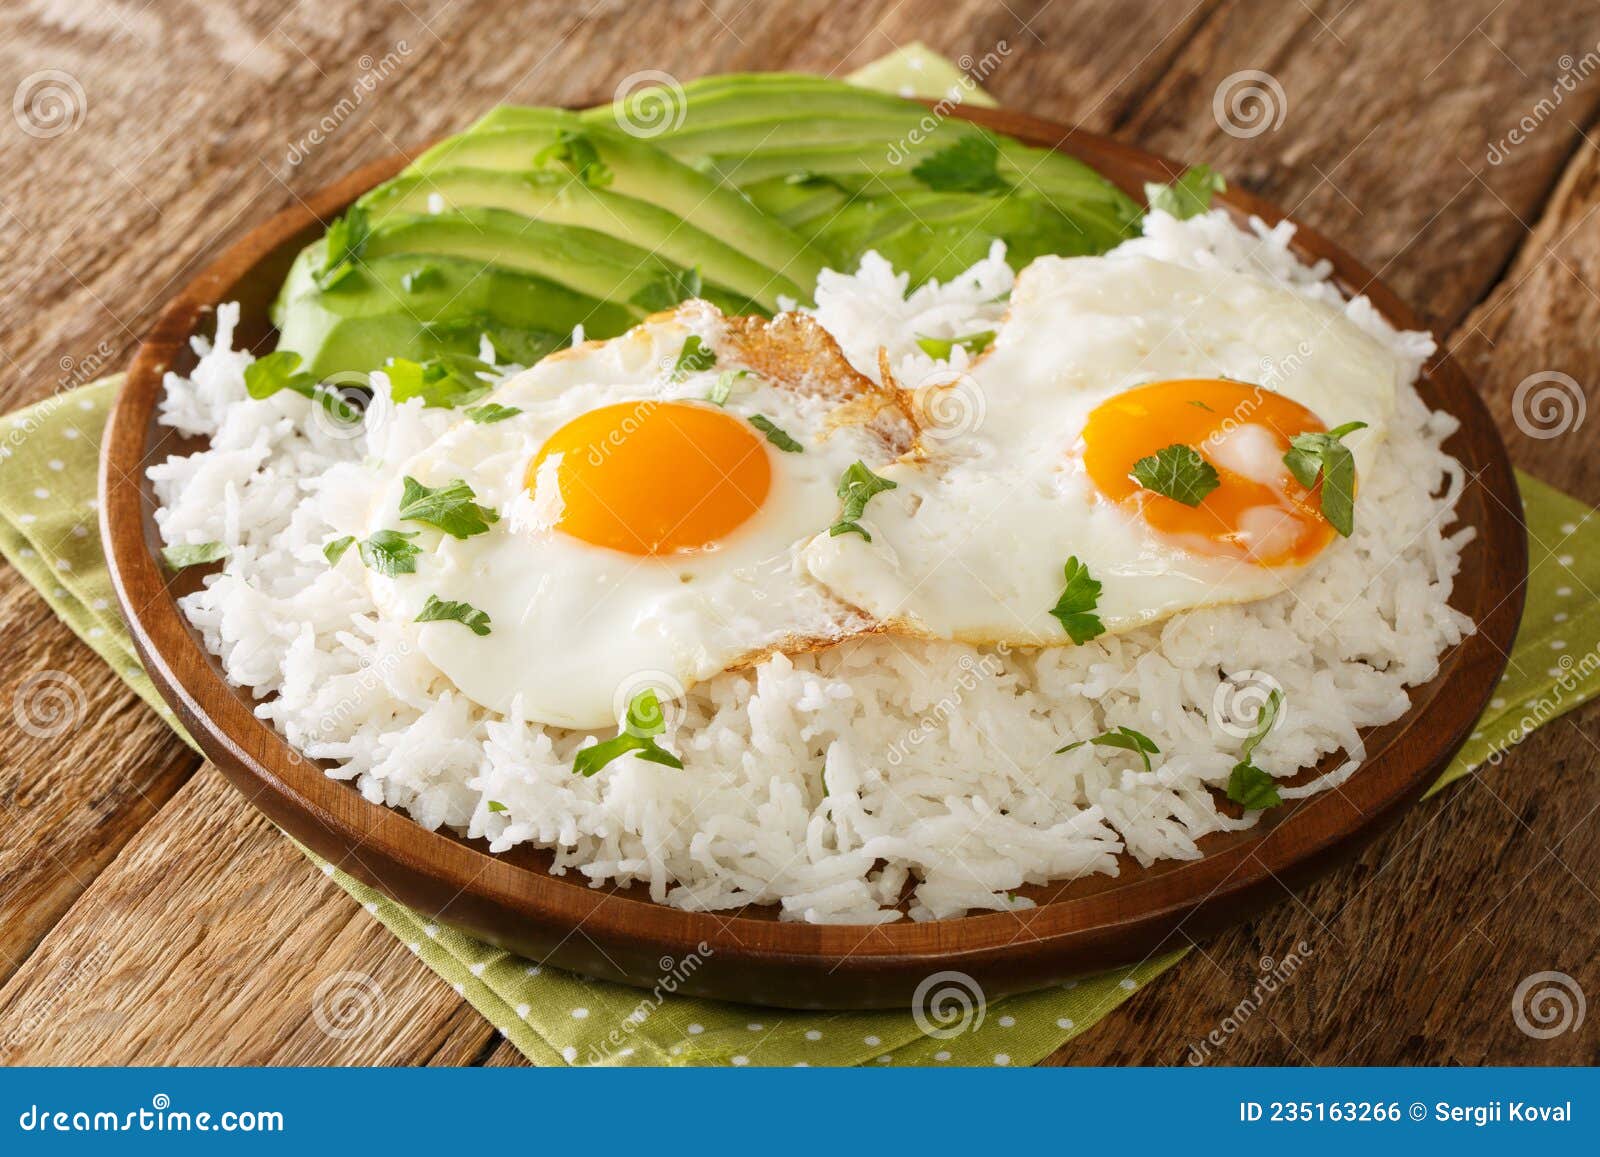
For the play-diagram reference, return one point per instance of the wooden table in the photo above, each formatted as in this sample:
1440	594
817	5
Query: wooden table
148	915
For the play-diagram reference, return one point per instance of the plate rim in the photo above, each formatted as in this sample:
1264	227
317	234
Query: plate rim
826	965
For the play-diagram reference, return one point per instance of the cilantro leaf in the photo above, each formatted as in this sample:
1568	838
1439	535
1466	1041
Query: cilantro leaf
645	720
668	290
970	165
347	237
450	508
1188	196
1252	788
390	552
776	436
437	610
1248	785
277	371
188	554
722	388
576	151
335	550
1312	456
941	347
695	357
856	487
443	383
492	412
1177	472
420	278
1079	598
497	807
1125	738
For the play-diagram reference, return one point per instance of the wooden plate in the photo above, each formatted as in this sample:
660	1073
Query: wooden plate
750	955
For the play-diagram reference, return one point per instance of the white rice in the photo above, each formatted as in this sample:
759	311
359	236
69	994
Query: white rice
826	782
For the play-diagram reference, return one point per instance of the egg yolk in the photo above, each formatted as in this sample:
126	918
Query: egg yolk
1258	512
656	478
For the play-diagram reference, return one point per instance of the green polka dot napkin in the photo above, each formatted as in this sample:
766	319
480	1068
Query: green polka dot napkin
48	532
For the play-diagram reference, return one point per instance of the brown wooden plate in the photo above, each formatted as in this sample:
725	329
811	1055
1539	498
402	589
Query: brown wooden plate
749	955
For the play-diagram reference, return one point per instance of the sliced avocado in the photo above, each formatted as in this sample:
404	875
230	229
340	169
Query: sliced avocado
563	199
635	169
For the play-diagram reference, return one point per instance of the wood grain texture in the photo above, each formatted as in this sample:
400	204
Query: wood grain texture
161	172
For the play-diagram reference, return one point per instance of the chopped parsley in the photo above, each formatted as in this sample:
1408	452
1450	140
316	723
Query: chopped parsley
1125	738
1188	196
420	278
645	720
1325	455
280	370
970	165
1077	602
443	383
346	239
1202	405
856	488
693	358
192	554
722	388
668	290
388	552
577	152
437	610
336	549
776	436
1178	473
497	807
450	508
941	347
1248	785
492	412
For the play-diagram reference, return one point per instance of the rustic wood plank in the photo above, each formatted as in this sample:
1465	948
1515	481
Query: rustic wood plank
150	968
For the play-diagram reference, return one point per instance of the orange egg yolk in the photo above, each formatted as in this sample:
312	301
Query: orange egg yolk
656	478
1258	512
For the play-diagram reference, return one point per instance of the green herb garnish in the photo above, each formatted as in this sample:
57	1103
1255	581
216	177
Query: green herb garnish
192	554
1125	738
347	237
450	508
496	806
695	357
1179	473
1188	196
856	487
1078	599
1202	405
1311	455
577	152
941	347
390	552
644	722
668	290
722	388
437	610
335	550
1248	785
970	165
492	412
443	383
776	436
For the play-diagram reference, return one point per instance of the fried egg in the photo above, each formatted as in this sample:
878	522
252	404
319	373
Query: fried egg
1099	364
652	509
